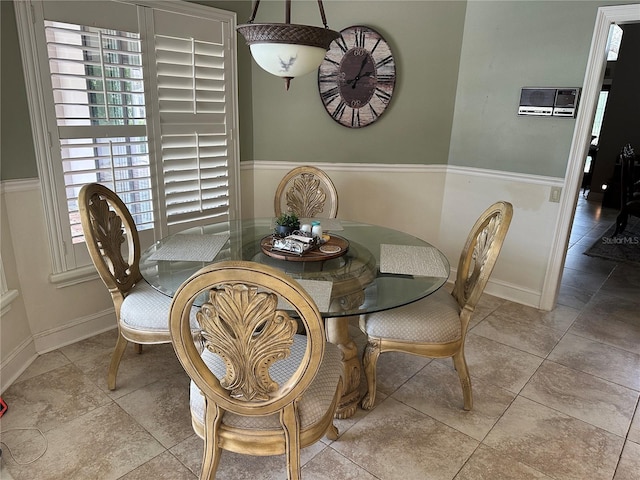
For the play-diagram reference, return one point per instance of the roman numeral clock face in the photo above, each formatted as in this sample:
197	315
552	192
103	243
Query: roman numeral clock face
357	77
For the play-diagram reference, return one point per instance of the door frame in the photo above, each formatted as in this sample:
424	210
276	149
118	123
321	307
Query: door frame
606	16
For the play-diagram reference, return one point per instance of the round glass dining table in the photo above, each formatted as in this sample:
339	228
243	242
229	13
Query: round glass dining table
346	284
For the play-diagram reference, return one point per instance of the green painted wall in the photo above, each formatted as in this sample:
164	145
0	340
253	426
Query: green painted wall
426	39
507	46
17	155
460	68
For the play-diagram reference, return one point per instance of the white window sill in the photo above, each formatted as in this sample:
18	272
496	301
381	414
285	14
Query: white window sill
74	277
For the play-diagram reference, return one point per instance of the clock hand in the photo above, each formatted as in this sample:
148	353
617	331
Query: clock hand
366	74
355	80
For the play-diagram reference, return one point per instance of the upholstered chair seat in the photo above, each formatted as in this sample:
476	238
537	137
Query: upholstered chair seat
147	310
434	319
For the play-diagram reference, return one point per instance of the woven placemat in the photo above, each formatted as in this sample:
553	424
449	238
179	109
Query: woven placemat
319	290
191	248
411	260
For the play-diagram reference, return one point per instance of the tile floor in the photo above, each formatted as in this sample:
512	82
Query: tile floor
556	397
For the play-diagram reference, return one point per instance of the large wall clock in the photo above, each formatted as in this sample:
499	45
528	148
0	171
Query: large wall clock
357	77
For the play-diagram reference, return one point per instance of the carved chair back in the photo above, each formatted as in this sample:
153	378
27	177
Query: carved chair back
480	253
108	227
308	192
243	326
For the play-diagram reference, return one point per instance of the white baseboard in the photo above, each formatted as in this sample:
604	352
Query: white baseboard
513	293
507	291
74	331
17	362
49	340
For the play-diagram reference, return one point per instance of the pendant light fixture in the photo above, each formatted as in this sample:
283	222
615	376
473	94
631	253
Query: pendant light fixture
284	49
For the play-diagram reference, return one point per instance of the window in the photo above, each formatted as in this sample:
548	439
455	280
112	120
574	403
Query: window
613	42
141	98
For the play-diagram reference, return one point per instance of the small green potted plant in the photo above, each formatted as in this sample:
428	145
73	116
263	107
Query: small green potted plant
286	224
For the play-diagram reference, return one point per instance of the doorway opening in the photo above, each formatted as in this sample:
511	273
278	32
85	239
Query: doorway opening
596	63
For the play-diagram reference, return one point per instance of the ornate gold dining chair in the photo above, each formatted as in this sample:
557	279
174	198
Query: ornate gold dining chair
257	388
142	313
436	326
308	192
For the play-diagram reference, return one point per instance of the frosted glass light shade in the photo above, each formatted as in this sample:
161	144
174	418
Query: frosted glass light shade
287	50
287	59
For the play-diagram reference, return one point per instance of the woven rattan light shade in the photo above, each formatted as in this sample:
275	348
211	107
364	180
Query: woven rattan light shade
287	33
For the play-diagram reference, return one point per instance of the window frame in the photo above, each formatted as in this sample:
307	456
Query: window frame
65	270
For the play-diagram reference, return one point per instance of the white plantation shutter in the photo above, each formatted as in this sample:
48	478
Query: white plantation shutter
140	96
194	85
98	94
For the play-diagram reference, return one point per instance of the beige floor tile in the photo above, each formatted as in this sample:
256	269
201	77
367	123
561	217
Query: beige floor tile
136	370
104	444
583	396
485	306
534	338
379	443
556	444
43	364
163	467
586	281
395	368
615	307
624	282
629	466
487	464
499	364
93	346
50	399
604	361
560	318
609	329
189	453
634	430
330	465
436	391
162	408
4	473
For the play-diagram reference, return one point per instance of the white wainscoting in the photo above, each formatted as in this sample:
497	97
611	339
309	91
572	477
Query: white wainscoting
44	316
439	204
520	270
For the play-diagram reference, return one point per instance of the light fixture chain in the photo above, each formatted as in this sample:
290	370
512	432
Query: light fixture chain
322	15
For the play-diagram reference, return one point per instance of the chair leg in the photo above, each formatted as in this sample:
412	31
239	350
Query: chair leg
138	348
212	450
290	421
460	364
369	360
116	356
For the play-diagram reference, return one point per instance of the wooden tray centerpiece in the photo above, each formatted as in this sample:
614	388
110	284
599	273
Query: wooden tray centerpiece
334	247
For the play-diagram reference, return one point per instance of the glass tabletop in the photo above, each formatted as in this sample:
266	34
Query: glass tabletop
355	280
